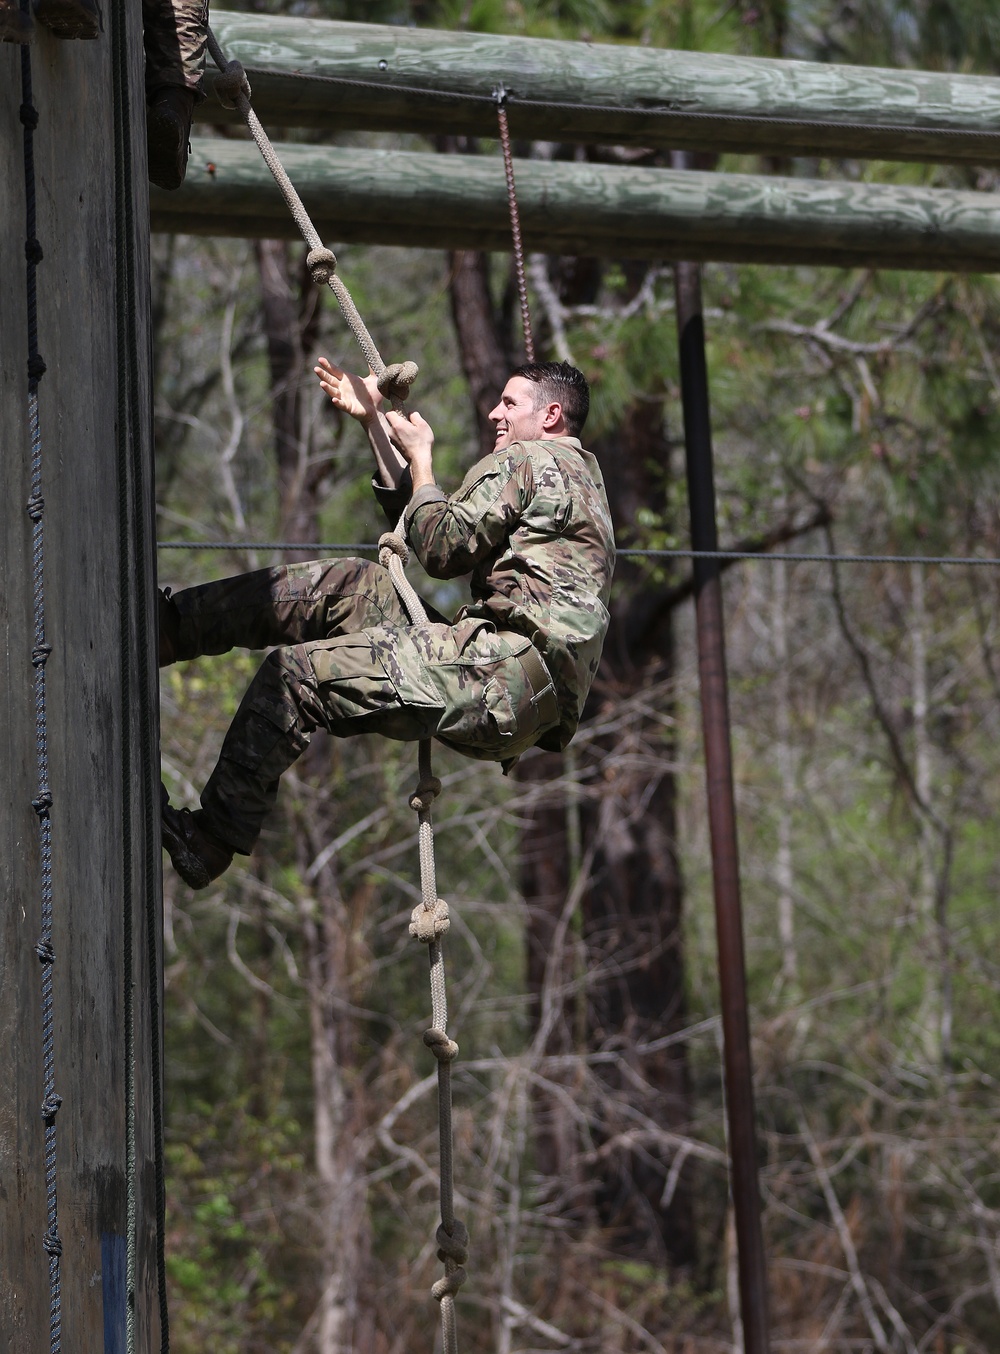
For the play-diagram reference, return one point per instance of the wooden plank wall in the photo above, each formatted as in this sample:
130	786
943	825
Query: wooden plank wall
90	674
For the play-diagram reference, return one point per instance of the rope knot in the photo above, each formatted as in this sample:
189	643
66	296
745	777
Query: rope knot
40	654
443	1048
36	367
453	1245
52	1243
29	116
36	507
389	544
46	952
395	381
33	250
322	264
43	803
231	84
425	794
428	923
453	1248
50	1106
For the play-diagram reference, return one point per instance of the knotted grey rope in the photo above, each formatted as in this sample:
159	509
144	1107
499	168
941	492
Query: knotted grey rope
42	803
428	924
233	89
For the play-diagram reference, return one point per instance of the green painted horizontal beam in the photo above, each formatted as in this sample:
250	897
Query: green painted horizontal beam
320	73
459	202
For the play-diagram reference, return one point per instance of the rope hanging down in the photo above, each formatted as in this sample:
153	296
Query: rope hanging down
430	919
500	98
428	924
233	89
42	803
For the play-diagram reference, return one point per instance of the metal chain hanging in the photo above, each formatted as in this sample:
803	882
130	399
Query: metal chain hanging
500	98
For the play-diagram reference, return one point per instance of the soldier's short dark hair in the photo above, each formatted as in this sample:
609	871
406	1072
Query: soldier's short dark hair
560	383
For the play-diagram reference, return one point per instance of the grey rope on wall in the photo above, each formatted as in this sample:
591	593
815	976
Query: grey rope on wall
42	803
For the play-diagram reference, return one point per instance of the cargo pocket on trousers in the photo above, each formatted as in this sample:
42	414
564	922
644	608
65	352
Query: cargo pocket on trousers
500	708
264	734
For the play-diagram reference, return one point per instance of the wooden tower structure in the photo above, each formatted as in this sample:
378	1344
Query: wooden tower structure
80	1185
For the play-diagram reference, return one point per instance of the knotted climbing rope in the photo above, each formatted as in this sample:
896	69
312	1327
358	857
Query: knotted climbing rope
430	920
42	803
428	924
233	90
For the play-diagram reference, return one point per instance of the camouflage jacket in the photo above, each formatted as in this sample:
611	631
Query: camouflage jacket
531	523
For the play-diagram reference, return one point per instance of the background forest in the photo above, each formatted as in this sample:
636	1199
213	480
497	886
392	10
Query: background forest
854	412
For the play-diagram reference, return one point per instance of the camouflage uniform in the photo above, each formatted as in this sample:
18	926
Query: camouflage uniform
175	36
530	521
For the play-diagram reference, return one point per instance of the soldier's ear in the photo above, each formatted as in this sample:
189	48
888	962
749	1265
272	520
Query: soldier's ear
552	417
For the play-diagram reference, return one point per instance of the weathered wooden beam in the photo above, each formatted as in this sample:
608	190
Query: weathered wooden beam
318	73
459	202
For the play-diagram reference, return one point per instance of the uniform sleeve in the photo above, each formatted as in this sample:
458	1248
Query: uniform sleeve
393	501
451	535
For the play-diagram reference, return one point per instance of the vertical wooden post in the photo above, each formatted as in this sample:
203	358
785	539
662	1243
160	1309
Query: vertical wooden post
98	572
722	812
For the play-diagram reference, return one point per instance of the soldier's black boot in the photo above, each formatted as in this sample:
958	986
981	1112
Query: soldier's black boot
15	25
168	131
69	18
170	624
196	855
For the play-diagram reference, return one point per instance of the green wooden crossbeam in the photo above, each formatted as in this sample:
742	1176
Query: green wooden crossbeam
459	202
319	73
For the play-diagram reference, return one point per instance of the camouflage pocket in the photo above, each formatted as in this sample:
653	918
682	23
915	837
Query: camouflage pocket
267	726
500	707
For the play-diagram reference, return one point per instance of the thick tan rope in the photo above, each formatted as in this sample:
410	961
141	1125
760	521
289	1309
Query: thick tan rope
233	89
428	924
430	919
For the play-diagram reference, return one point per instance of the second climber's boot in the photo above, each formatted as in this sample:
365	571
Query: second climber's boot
69	18
168	132
170	624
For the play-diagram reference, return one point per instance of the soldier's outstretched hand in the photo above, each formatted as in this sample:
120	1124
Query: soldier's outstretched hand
357	396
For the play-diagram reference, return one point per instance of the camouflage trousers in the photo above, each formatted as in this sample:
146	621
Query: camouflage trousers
349	662
175	36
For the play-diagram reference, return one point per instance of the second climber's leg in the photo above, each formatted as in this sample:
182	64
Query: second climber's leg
175	36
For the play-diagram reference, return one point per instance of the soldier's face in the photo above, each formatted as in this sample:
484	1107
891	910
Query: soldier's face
515	417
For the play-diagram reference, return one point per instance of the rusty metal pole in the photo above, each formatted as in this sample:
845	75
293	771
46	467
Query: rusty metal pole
721	811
